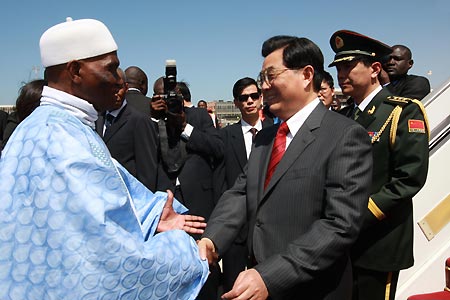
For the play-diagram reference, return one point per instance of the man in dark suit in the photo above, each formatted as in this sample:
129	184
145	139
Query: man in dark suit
399	133
137	89
190	149
305	212
401	84
131	138
238	139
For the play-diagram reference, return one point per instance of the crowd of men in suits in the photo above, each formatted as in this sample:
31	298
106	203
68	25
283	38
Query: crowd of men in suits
331	216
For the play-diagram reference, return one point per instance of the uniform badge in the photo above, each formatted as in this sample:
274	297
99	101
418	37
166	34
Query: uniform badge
416	126
371	111
372	133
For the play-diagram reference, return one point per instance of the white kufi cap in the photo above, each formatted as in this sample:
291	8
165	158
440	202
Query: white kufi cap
74	40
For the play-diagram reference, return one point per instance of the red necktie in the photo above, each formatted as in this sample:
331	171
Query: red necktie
279	147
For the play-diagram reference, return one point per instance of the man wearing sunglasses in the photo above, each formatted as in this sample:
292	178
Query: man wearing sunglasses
238	139
304	213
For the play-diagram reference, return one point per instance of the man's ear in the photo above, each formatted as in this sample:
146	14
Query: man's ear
376	67
73	67
308	74
410	63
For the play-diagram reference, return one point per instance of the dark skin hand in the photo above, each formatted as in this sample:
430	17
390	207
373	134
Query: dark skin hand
170	220
158	107
158	110
177	121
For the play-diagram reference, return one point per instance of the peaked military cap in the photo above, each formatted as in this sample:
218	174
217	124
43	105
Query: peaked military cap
349	45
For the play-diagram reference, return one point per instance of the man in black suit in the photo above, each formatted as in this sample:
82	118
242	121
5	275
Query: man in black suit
305	212
137	89
238	139
401	84
399	134
190	149
131	138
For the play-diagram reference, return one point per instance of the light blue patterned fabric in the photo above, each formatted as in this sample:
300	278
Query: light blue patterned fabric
74	224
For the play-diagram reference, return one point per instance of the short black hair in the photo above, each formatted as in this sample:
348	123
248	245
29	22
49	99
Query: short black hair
241	84
29	97
404	48
298	52
328	79
183	88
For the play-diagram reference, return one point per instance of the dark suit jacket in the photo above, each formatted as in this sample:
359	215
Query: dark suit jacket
133	142
204	150
410	86
302	226
235	155
3	118
233	164
10	126
399	172
139	101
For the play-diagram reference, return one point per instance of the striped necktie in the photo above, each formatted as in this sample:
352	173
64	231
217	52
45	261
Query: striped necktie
279	147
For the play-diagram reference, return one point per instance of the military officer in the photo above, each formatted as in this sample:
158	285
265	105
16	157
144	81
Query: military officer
399	132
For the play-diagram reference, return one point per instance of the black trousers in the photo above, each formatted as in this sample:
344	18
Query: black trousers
374	285
234	262
210	289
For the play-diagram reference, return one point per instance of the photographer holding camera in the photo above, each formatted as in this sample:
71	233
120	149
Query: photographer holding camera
190	148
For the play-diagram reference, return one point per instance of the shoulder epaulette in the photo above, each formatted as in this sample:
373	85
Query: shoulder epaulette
396	100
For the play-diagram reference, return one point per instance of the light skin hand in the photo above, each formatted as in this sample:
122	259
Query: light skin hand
170	220
248	285
207	251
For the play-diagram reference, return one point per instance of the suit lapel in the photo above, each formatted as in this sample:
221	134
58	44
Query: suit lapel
267	123
299	143
238	144
119	121
99	124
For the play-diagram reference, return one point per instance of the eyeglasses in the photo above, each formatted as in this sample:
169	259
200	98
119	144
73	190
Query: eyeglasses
244	97
268	75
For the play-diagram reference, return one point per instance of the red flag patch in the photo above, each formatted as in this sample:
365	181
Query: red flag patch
416	126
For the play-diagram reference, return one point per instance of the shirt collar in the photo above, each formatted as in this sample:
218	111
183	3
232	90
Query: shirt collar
135	89
246	127
369	98
296	121
116	112
79	108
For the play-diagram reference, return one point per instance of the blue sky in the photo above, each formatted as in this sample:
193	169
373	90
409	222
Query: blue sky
217	42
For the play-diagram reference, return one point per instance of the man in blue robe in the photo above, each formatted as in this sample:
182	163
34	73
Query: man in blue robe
74	224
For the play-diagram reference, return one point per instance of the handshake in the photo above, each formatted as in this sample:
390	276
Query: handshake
207	251
248	285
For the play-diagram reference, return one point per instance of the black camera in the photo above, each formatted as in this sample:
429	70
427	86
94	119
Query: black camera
174	100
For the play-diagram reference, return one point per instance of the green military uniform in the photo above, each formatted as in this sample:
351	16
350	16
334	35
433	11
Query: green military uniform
400	156
399	132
